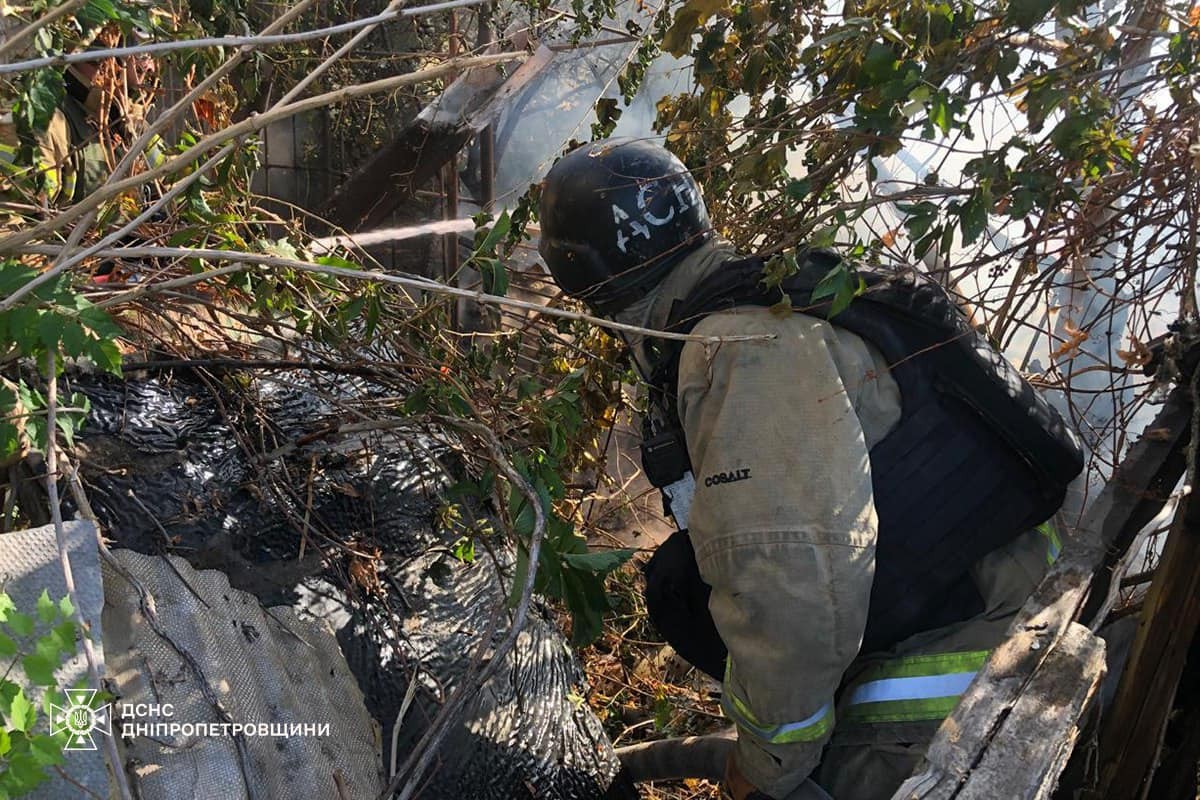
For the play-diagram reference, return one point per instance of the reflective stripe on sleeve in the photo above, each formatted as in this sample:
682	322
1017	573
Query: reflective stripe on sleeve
812	729
1053	543
915	688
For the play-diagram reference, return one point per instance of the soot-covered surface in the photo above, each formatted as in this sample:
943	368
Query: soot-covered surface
168	472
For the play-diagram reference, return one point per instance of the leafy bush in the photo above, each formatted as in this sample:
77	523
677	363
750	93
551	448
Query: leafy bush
38	643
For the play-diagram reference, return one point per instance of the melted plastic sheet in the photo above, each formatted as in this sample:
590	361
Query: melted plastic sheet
171	467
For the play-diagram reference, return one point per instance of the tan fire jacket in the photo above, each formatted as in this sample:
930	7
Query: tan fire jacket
784	529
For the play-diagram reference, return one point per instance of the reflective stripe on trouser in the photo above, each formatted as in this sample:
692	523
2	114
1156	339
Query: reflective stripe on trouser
1053	543
806	730
914	688
54	180
8	159
155	152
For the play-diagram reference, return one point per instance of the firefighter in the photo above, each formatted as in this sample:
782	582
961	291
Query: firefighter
863	499
71	157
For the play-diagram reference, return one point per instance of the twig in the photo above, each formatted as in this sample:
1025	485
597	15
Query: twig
304	83
62	773
71	473
423	284
418	762
236	131
10	499
25	31
115	237
409	694
185	103
64	560
258	40
150	613
234	363
339	784
312	471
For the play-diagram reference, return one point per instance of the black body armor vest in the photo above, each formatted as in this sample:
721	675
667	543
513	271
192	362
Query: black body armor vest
977	459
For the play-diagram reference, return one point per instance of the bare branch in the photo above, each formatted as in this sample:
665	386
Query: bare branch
64	560
411	282
23	33
247	126
260	40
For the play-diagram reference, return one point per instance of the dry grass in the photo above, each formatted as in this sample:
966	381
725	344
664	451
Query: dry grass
642	691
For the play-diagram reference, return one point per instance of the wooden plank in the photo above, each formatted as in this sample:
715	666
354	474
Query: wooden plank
1132	733
1035	741
1124	503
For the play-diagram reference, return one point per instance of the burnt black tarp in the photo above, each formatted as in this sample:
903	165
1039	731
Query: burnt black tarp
175	464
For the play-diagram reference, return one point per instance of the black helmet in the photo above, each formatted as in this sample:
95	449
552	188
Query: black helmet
616	215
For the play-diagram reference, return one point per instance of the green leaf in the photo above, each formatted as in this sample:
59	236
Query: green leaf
1025	14
66	607
98	321
74	340
584	593
495	276
842	285
106	354
498	231
663	711
35	428
973	217
845	295
48	648
47	750
22	322
64	636
21	714
21	624
96	13
336	261
10	440
6	606
39	669
67	424
797	190
464	550
520	573
940	113
598	561
879	65
47	611
824	237
829	285
14	275
25	772
44	92
8	647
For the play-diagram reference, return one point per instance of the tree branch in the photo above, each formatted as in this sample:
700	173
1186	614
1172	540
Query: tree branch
258	40
247	126
64	560
423	284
